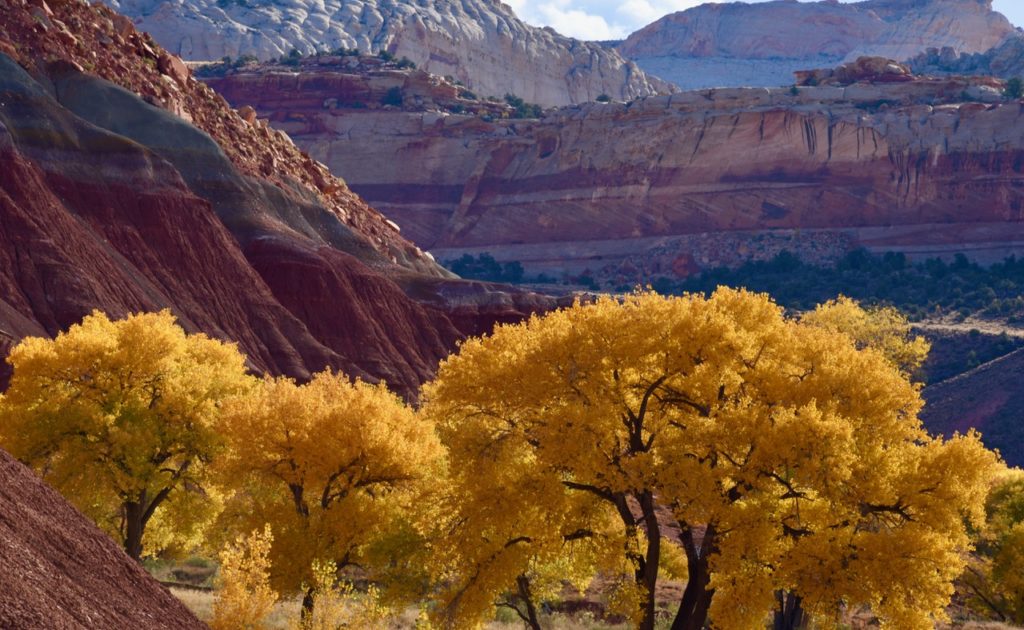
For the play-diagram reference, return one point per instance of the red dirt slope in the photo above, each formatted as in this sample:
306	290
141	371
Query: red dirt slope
58	571
989	398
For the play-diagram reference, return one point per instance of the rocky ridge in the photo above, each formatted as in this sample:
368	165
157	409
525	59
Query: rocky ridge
740	44
871	156
1005	60
480	42
127	185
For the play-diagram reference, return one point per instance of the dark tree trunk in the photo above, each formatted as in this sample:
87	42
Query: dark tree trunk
790	613
530	618
307	605
134	526
693	609
647	571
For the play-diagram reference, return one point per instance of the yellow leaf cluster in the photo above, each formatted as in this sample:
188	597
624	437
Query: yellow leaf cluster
339	606
994	580
881	328
245	599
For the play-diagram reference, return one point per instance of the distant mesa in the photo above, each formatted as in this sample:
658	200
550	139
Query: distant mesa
865	154
762	44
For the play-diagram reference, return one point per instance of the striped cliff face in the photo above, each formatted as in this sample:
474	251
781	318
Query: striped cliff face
693	180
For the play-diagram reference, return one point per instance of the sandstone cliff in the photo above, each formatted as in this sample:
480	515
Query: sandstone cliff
480	42
126	185
739	44
61	573
668	185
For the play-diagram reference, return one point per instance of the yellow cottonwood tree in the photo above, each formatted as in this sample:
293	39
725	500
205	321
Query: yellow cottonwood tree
333	466
793	460
119	417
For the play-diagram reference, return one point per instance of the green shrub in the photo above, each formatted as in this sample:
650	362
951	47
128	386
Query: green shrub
392	97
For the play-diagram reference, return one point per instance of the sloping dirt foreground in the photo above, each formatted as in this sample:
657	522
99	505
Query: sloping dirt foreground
58	571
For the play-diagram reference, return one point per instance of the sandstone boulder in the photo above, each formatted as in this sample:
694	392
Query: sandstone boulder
173	67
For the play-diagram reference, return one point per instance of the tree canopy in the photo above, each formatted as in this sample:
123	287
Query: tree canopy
120	416
792	460
333	466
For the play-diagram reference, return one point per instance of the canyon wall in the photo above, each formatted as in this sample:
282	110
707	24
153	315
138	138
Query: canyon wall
740	44
673	184
480	42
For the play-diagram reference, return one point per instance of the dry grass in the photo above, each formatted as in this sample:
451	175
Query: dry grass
286	612
201	604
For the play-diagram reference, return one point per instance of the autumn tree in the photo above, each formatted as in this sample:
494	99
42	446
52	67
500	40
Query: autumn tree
793	460
994	579
120	417
334	467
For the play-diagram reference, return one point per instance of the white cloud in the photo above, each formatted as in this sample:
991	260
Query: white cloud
576	23
596	19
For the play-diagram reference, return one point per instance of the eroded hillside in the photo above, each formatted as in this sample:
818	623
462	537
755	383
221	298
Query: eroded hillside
127	185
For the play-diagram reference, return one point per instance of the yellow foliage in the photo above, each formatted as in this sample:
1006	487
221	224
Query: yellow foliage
800	448
994	581
882	328
120	417
245	598
673	561
335	467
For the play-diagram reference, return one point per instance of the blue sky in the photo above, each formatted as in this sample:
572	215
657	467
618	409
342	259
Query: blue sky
614	19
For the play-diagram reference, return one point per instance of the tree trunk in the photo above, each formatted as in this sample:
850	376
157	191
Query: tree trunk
531	618
134	525
307	605
647	572
693	609
790	613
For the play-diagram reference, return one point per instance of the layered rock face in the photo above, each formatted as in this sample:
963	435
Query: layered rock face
670	185
480	42
739	44
60	572
161	196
